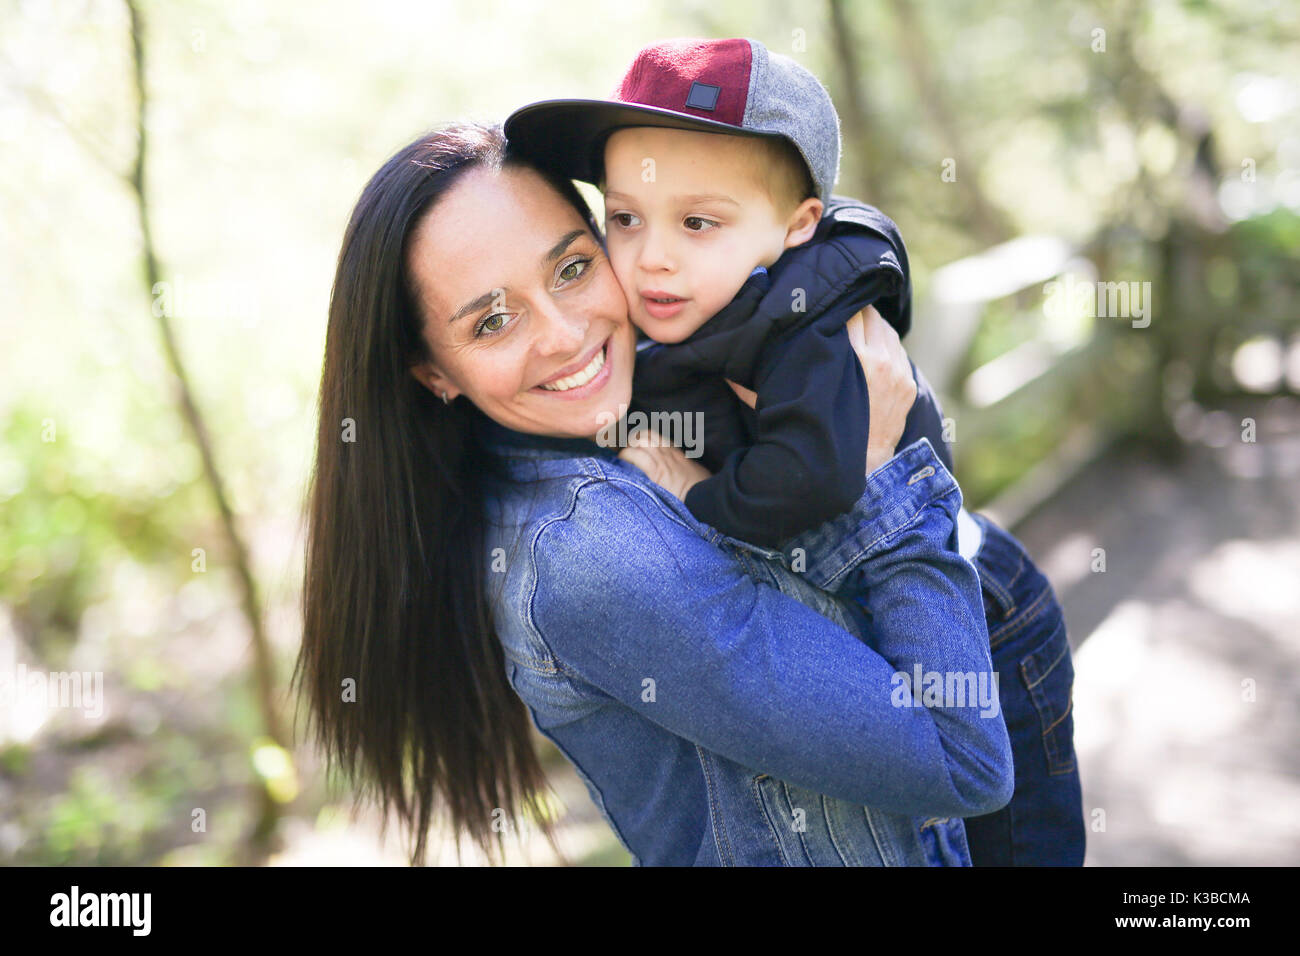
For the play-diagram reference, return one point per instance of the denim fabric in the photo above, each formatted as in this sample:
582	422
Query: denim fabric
721	708
1043	824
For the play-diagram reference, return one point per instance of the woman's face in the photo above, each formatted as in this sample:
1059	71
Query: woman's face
522	312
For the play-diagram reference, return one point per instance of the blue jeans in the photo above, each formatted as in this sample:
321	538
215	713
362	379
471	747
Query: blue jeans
1043	824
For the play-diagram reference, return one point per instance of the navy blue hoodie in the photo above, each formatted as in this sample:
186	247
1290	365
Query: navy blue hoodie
799	458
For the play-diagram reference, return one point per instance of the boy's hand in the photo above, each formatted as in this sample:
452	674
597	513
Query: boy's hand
667	466
746	395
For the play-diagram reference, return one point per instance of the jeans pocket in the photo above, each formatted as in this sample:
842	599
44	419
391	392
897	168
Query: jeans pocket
1048	675
999	602
945	841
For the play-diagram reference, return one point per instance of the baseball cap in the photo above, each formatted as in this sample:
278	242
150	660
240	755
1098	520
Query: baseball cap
734	86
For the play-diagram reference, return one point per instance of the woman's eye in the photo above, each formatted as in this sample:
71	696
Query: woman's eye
696	224
491	327
574	269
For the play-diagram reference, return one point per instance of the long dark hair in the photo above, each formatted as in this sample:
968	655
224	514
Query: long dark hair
400	664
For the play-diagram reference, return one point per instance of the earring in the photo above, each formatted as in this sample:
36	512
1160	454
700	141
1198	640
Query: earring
444	399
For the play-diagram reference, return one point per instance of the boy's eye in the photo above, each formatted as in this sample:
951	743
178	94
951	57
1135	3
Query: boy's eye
696	224
624	219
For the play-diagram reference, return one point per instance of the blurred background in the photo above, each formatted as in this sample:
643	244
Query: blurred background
1101	202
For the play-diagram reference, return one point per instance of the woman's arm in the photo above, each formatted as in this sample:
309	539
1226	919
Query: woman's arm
635	602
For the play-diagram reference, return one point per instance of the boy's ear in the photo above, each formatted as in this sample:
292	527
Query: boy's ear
803	222
427	374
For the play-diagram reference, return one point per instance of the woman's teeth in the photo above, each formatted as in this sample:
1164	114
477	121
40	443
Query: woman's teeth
578	378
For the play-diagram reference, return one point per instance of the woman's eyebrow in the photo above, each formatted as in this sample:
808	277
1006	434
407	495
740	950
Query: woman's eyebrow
557	250
481	302
486	298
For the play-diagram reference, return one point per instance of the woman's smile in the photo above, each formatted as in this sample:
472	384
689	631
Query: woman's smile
587	380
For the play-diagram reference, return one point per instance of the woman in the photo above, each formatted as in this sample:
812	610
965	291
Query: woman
471	544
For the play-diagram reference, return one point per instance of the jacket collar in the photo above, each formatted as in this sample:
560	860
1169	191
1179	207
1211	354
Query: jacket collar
513	443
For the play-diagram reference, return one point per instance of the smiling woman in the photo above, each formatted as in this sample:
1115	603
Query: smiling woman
476	562
548	346
393	592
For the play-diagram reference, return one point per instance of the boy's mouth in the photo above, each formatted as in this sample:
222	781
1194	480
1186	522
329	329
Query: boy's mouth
661	305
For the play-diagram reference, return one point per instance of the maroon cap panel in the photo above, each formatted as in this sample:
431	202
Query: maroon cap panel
665	74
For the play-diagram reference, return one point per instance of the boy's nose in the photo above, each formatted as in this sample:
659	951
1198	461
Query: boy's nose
655	256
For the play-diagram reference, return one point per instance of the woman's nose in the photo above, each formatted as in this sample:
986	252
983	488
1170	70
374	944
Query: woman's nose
558	331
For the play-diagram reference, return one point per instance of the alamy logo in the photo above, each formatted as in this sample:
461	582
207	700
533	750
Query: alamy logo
1124	300
924	688
70	690
102	909
683	430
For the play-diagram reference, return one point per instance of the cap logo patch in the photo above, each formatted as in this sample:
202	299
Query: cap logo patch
703	96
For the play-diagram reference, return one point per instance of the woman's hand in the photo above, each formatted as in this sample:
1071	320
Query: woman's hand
664	464
891	388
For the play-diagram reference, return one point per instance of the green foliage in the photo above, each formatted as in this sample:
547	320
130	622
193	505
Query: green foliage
63	530
98	820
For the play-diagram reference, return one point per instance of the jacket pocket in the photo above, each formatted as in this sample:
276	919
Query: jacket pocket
812	829
1048	675
786	818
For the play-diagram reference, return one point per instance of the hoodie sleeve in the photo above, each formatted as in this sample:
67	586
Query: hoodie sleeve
845	217
807	463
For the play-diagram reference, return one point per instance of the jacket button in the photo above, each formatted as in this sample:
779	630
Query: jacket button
925	472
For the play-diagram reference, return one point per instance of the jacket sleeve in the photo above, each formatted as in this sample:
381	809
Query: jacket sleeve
638	604
807	462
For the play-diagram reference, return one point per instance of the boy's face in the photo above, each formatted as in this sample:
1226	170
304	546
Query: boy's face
687	220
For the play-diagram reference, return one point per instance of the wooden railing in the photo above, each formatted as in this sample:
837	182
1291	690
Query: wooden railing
986	405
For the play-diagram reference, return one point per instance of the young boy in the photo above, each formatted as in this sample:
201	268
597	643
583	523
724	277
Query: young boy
695	221
717	160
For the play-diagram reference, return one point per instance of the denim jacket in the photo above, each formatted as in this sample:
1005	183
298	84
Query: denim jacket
721	708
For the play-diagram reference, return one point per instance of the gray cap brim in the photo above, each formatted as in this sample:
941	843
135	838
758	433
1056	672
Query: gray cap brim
568	136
